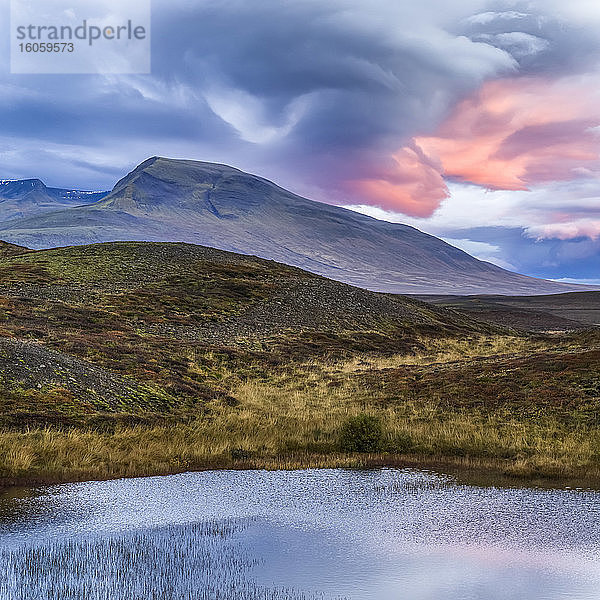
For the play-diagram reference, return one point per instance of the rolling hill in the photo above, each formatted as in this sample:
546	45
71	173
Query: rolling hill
121	325
550	312
219	206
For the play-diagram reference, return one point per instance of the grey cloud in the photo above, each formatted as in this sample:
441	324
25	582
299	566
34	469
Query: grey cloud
372	75
321	89
540	37
368	76
307	93
491	17
518	44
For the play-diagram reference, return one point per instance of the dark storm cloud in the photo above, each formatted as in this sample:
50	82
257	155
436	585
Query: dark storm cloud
366	77
311	94
300	80
109	116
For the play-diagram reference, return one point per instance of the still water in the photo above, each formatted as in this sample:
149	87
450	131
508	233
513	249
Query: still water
302	535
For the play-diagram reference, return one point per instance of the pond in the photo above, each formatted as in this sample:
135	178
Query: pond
387	534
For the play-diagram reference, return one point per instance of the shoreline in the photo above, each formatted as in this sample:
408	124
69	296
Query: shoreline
466	470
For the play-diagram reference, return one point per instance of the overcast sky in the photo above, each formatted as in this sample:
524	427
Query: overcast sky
476	121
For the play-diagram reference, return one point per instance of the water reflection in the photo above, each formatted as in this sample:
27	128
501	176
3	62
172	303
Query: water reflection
370	535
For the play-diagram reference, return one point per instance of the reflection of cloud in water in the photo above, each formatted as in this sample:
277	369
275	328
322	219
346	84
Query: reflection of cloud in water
321	560
370	535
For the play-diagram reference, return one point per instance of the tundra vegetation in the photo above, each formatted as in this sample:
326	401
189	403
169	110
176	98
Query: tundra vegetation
130	359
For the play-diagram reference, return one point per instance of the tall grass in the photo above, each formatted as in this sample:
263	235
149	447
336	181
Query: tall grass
446	350
199	561
295	420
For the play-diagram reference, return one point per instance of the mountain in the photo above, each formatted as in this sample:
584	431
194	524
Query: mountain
25	197
223	207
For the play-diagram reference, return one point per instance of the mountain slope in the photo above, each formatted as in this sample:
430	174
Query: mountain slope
141	327
26	197
222	207
550	312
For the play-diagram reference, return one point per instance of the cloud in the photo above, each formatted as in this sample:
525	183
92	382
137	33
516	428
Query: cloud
540	232
316	95
332	89
412	182
312	94
247	114
387	104
482	251
511	134
550	38
490	17
543	209
515	133
568	230
518	43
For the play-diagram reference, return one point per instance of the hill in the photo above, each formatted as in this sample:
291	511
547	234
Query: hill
135	358
114	324
219	206
551	312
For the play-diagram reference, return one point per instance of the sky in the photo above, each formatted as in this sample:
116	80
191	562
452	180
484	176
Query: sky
475	121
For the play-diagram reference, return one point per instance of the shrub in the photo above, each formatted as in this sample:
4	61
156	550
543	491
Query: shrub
362	433
240	454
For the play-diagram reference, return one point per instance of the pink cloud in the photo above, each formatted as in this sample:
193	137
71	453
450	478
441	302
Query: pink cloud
516	133
510	135
566	231
410	183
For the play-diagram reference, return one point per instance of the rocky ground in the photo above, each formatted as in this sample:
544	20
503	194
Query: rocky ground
143	327
548	313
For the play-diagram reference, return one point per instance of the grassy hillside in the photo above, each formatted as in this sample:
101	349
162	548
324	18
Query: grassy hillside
137	358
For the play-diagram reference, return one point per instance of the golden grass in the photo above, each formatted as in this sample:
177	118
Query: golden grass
294	420
446	350
52	455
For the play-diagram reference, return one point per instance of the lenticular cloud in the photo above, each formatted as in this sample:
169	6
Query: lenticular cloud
511	134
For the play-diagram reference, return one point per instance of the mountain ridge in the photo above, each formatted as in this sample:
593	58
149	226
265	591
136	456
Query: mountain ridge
21	198
220	206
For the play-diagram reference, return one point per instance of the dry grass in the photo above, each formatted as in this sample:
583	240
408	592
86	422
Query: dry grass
446	350
294	420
